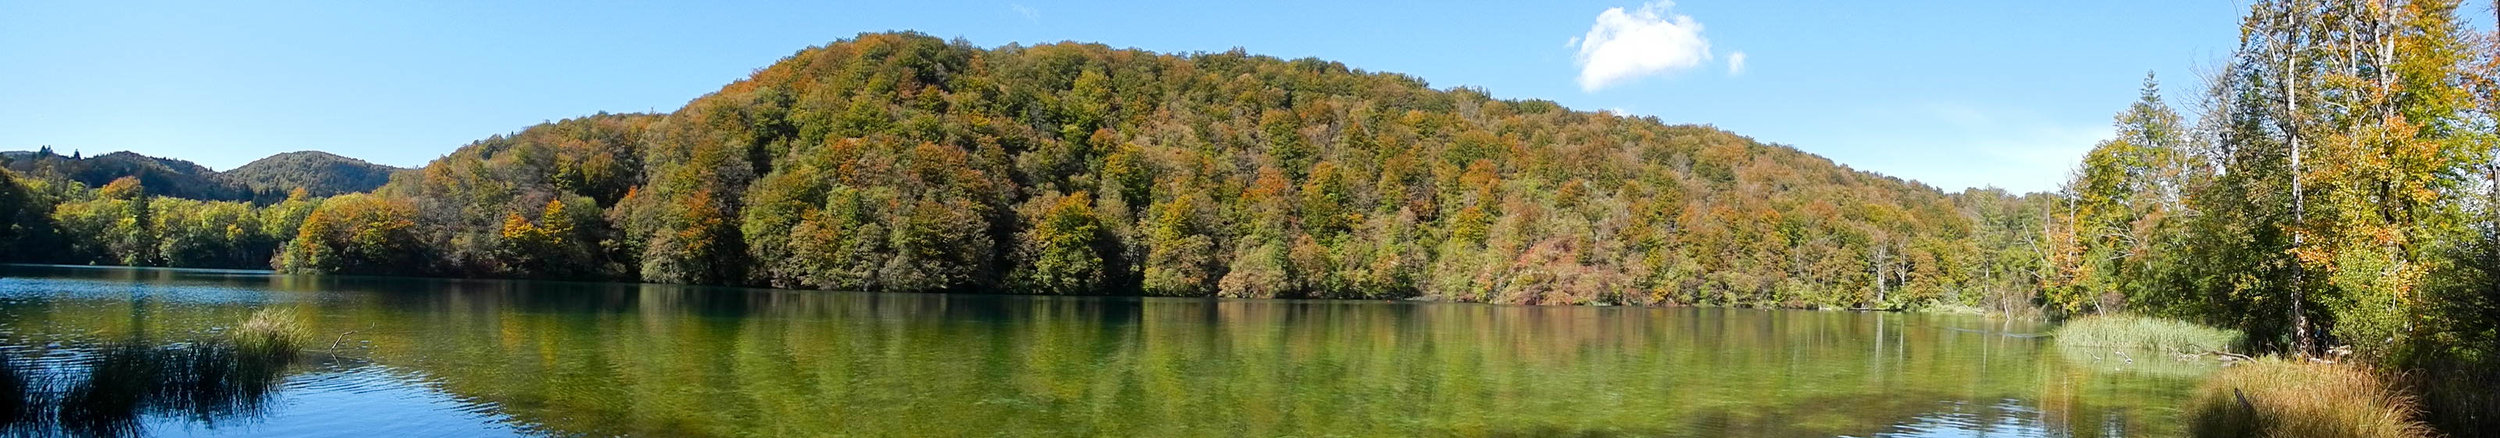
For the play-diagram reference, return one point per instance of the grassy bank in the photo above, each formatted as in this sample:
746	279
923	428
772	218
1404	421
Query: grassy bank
2273	397
2130	332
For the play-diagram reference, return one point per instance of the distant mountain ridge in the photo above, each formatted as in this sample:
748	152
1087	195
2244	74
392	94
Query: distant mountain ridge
162	176
267	179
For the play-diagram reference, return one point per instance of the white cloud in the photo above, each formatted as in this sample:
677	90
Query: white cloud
1625	45
1027	11
1735	63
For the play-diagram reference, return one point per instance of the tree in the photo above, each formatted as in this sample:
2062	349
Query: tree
1062	251
128	231
1180	256
2125	197
27	231
1326	203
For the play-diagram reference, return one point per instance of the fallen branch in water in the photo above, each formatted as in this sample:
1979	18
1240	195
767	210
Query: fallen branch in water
334	343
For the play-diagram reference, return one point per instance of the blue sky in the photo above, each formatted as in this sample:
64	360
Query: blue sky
1952	93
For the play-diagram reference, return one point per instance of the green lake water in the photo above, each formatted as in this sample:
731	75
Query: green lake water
425	357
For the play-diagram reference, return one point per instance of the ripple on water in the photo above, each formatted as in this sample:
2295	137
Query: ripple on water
14	290
369	399
2006	417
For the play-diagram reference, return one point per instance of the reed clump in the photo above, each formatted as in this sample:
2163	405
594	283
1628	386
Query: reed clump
2133	332
271	332
109	390
2280	398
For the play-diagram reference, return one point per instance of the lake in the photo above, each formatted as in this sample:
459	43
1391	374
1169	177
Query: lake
428	357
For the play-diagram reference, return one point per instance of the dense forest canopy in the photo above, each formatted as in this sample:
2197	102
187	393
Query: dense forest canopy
903	162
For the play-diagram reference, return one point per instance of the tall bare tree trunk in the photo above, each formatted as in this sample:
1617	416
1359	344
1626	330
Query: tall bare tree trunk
2301	339
1878	270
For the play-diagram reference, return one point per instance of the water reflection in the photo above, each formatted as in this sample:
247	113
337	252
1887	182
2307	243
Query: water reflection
602	359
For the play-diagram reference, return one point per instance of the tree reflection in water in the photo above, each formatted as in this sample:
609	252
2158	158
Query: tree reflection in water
461	358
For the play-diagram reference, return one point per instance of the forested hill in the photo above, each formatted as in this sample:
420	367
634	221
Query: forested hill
263	181
902	162
321	173
173	177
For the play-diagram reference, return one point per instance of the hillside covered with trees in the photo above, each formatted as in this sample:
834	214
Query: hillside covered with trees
902	162
176	178
321	173
262	181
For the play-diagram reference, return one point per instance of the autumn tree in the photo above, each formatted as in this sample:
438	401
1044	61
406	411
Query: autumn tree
356	234
1181	251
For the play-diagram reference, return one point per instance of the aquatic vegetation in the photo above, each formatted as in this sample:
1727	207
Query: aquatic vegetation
272	332
2148	334
2274	397
108	397
17	382
111	386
